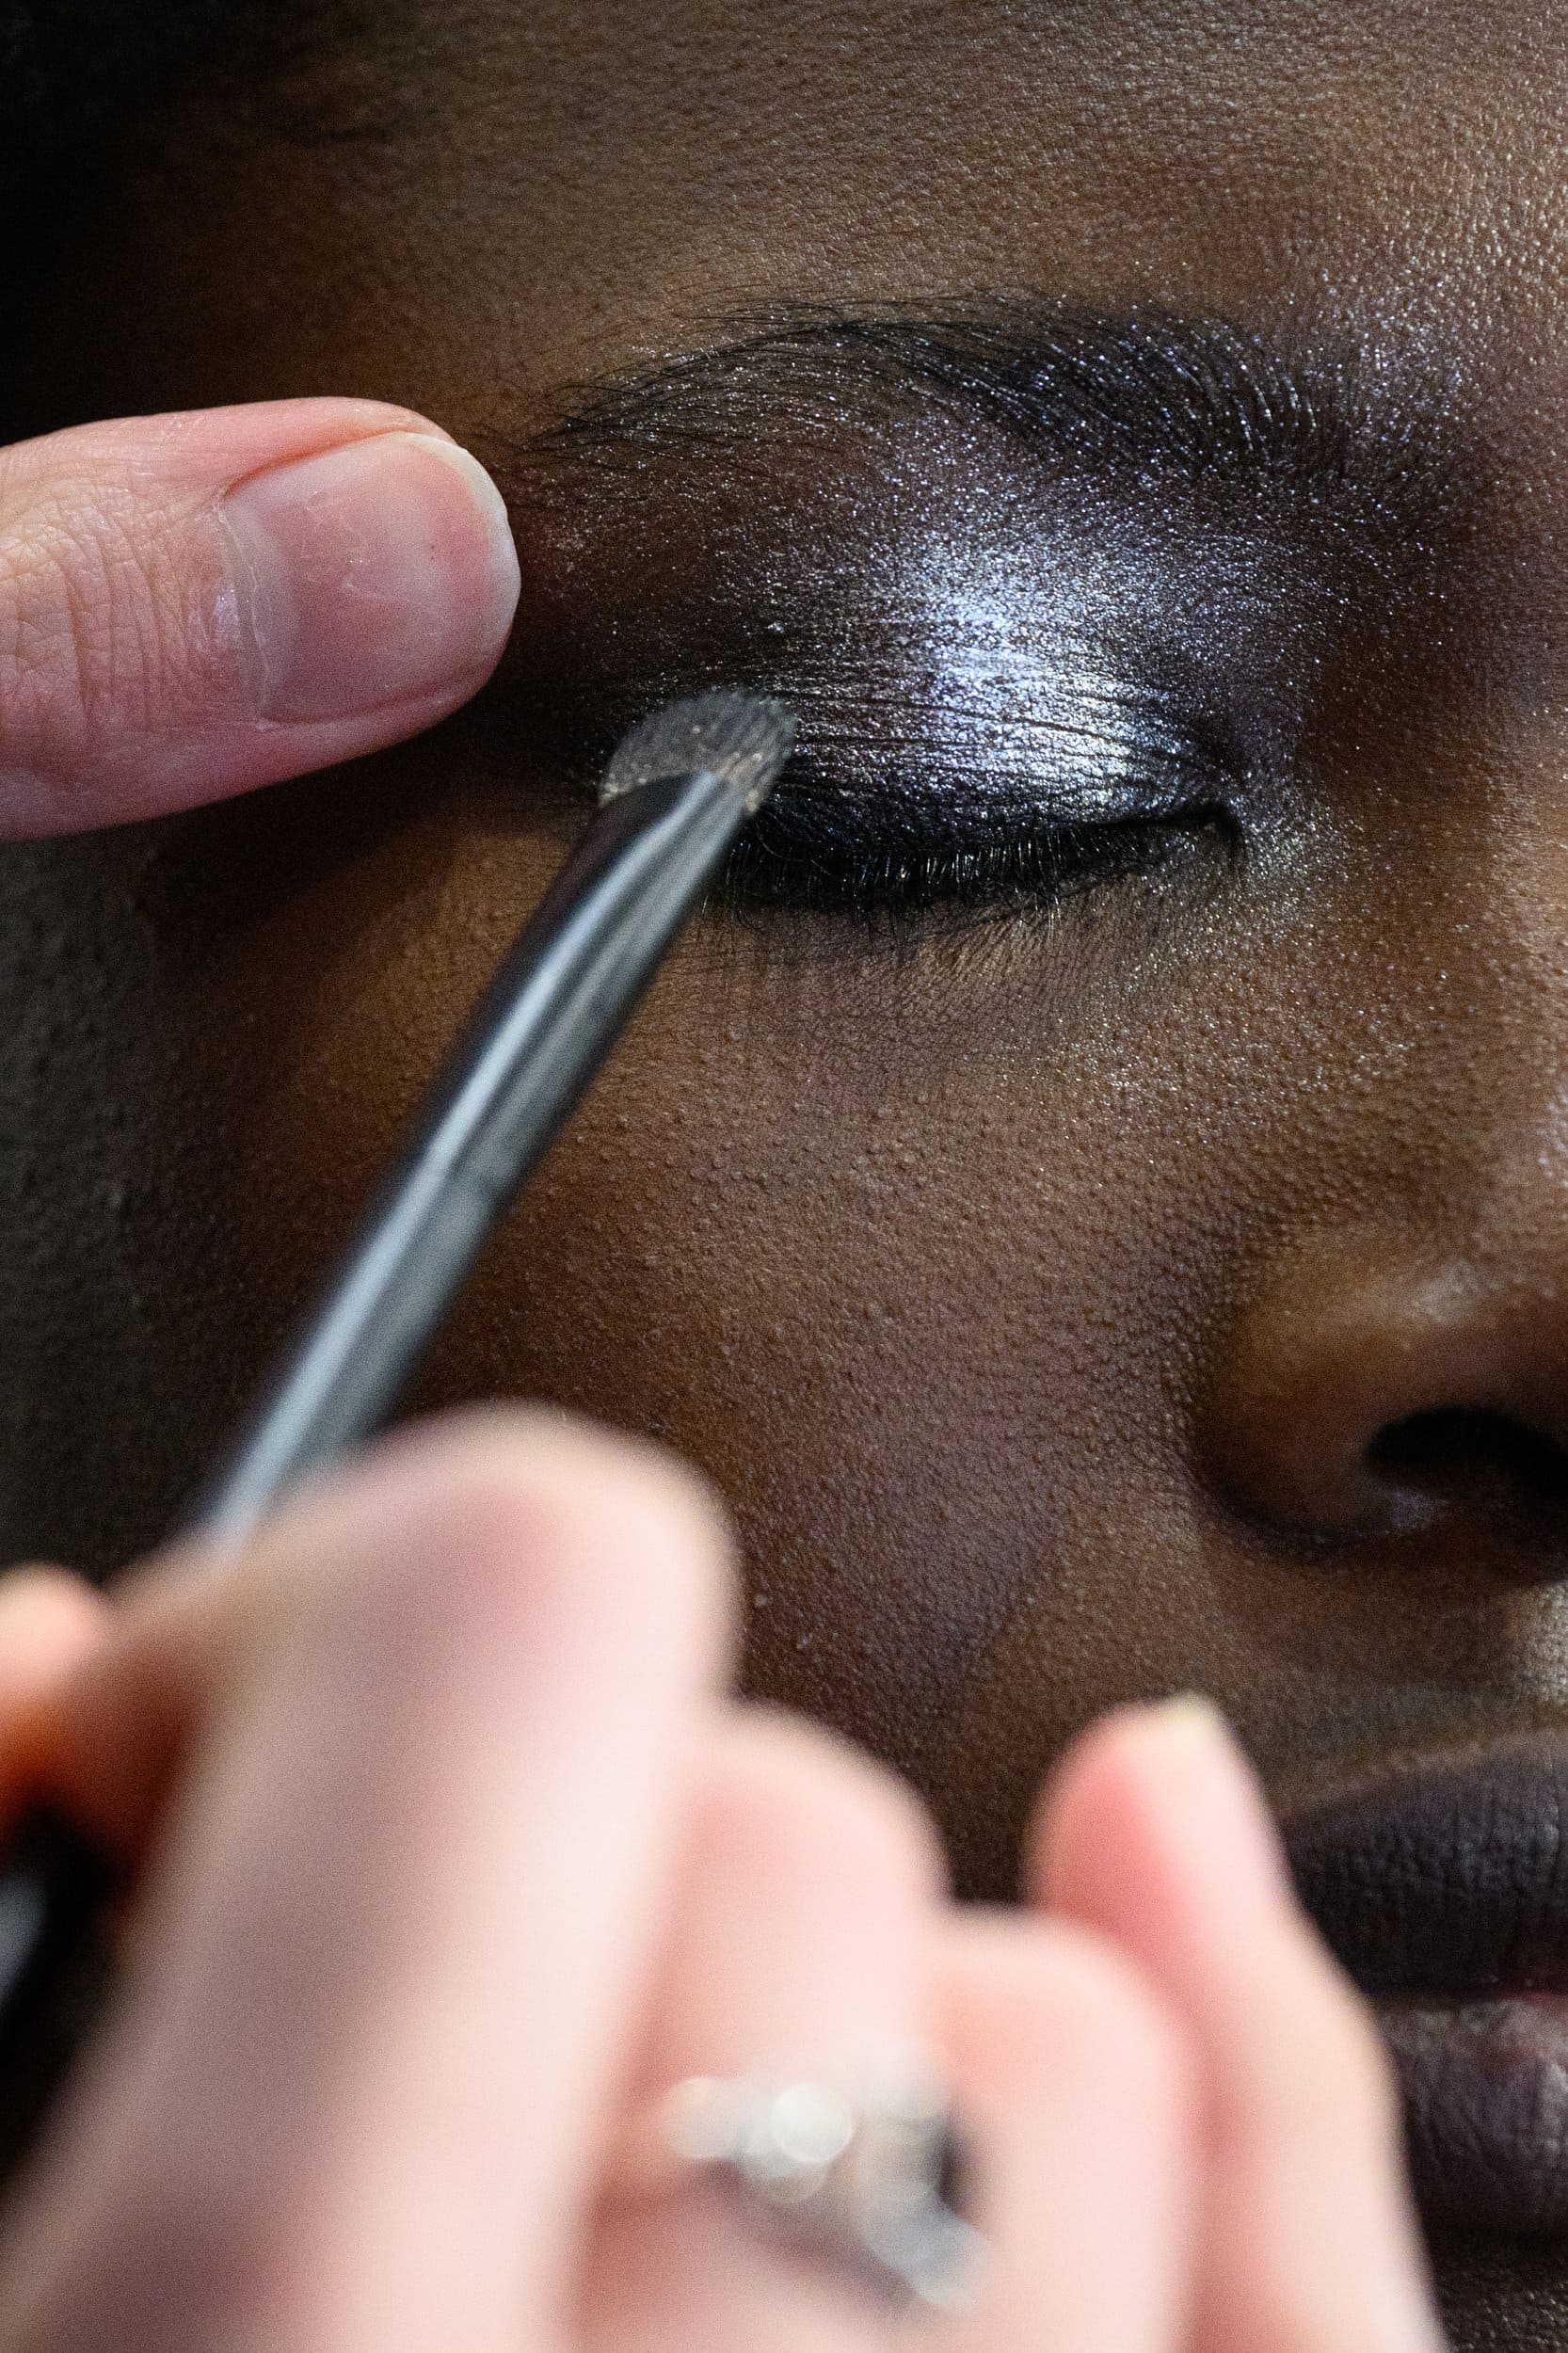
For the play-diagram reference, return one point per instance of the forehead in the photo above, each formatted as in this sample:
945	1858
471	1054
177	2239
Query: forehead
468	205
606	168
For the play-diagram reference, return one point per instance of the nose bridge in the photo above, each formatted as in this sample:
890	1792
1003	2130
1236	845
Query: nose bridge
1508	1248
1494	1031
1455	1031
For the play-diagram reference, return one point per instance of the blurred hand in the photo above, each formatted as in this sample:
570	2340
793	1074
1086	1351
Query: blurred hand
452	1855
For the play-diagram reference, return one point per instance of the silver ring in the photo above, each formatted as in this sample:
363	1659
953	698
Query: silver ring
874	2182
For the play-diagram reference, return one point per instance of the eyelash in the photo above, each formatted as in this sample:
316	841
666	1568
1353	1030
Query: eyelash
819	852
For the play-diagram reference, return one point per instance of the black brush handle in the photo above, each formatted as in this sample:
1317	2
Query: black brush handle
566	989
580	967
56	1966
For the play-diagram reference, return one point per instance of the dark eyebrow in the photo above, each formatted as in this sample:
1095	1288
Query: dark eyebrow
1143	395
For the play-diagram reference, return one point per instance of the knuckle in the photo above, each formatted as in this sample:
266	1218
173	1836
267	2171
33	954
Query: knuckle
101	633
504	1534
46	1614
775	1785
1095	1999
1046	2003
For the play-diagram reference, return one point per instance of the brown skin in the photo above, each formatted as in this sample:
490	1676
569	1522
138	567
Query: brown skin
1034	1292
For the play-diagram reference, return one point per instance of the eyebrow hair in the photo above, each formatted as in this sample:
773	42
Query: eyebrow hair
1147	394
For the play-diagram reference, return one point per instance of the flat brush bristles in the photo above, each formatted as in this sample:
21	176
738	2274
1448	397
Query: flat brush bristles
745	739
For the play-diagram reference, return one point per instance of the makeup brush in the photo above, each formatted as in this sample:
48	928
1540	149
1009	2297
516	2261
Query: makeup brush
676	791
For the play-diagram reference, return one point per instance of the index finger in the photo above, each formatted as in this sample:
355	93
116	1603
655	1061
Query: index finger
399	1912
1154	1833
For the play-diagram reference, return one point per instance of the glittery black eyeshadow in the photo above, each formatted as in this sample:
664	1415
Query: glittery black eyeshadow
997	798
811	859
1051	591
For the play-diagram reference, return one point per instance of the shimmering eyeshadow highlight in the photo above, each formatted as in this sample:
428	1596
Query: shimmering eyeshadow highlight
998	739
1048	589
945	756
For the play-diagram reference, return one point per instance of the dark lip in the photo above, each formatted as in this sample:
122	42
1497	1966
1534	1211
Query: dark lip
1444	1876
1441	1883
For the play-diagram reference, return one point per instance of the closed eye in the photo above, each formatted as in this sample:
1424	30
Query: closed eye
979	804
778	863
1057	594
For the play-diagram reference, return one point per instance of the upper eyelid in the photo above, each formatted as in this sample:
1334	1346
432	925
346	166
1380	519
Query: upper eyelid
1103	741
847	834
629	642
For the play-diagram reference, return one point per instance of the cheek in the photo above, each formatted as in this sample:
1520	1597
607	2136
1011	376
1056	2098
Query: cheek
810	1232
901	1251
922	1257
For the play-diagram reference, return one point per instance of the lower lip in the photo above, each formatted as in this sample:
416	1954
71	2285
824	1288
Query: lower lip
1485	2084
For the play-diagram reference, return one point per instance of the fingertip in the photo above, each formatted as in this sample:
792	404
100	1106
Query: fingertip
1154	1833
1162	1789
520	1525
194	604
563	1459
1026	1997
367	576
781	1785
49	1617
1084	1802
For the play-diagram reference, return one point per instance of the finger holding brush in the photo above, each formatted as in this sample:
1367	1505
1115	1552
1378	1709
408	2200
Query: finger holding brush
677	792
457	1878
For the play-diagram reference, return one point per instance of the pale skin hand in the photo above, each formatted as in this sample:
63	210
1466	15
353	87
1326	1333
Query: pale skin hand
454	1853
450	1849
194	604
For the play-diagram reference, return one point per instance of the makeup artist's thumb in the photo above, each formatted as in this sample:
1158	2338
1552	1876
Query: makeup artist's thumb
194	604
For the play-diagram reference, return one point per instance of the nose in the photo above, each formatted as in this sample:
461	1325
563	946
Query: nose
1363	1392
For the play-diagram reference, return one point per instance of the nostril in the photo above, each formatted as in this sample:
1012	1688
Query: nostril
1362	1396
1470	1457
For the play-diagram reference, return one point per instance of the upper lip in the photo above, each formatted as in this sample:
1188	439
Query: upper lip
1442	1884
1445	1877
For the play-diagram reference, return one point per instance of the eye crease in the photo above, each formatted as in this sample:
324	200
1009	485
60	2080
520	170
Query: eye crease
1048	589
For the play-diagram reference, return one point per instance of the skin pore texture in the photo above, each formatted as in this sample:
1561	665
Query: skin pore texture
1095	1199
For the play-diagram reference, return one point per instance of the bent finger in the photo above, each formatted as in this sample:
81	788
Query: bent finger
197	603
800	1947
398	1911
1154	1833
51	1620
1080	2091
